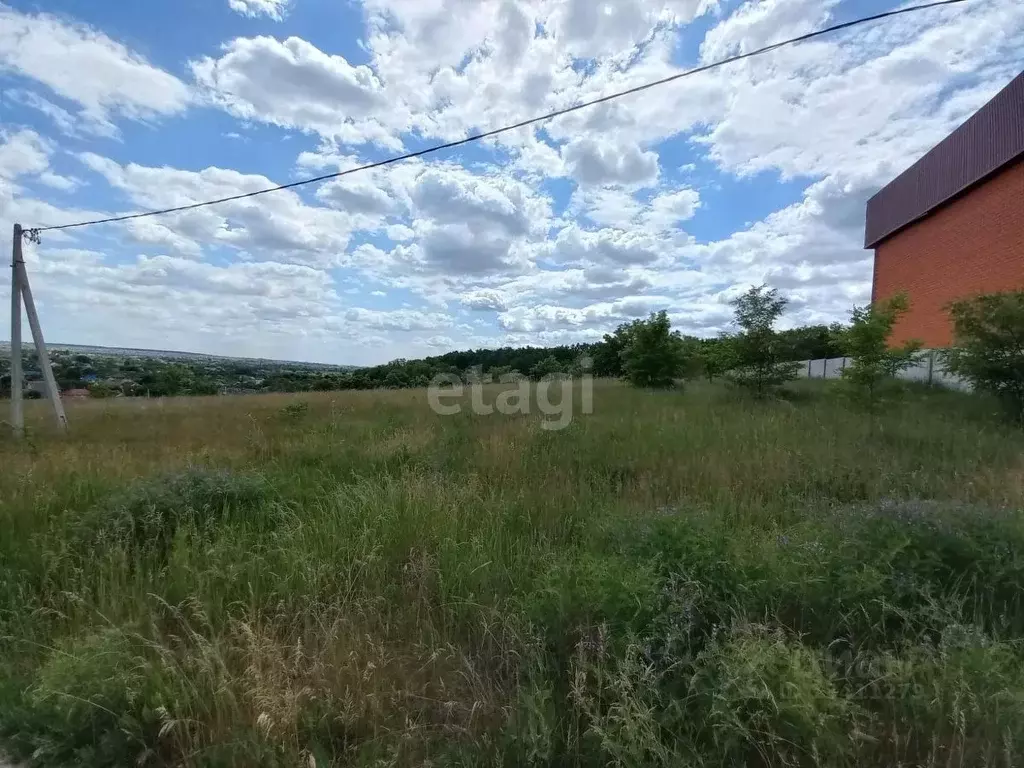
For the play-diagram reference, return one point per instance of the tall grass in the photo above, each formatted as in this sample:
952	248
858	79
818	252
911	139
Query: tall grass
677	579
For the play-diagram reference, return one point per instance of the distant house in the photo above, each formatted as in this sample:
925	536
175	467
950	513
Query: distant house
74	393
952	225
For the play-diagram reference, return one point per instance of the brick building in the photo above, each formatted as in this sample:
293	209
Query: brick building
952	225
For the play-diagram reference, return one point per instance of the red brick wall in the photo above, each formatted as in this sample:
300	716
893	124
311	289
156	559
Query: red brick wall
973	245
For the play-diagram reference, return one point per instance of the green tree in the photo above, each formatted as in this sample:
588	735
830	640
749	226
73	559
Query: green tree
654	355
548	366
717	356
866	340
608	353
760	362
988	347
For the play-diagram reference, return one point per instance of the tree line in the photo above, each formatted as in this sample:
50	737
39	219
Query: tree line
988	352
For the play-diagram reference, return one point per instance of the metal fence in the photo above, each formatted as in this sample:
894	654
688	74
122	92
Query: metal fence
930	369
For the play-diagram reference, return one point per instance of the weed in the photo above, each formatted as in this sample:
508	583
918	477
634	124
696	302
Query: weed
685	578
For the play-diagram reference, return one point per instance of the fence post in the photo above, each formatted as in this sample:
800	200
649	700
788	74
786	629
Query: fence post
931	366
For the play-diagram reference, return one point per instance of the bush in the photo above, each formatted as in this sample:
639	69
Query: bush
989	346
148	515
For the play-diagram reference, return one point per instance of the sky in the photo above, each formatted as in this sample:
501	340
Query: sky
677	198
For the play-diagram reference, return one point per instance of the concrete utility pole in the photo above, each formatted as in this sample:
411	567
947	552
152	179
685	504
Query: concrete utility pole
20	289
17	413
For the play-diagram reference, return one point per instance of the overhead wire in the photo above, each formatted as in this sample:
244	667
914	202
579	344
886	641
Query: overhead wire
34	231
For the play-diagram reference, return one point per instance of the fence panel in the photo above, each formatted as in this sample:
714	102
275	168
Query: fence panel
930	369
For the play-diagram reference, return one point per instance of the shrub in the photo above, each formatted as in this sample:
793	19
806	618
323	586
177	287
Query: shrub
989	346
146	517
295	410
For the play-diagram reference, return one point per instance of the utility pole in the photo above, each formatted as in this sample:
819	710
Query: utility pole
17	412
22	290
44	357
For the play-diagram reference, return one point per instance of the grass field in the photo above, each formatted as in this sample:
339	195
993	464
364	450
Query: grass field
678	579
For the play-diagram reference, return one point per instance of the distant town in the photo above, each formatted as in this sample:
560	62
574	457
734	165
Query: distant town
90	371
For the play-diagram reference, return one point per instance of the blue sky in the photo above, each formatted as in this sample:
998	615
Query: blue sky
678	198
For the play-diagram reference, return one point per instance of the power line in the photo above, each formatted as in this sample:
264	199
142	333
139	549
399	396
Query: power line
34	232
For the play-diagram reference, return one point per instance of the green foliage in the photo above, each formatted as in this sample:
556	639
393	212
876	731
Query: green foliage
91	705
760	363
716	356
102	390
148	515
678	579
608	354
653	354
989	346
770	700
296	410
549	366
866	340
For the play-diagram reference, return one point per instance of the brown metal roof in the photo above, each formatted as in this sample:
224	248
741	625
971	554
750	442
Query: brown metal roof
989	140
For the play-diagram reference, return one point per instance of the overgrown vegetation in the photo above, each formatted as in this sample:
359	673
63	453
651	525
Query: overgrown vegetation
653	355
989	346
875	362
681	578
758	361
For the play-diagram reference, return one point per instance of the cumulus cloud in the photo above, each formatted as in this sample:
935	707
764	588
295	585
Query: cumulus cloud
274	9
280	225
596	161
293	84
605	246
398	320
83	65
549	234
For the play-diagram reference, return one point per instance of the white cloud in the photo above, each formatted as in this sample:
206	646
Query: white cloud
758	24
275	225
85	66
461	223
595	161
293	84
595	316
275	9
545	235
606	246
65	122
62	183
23	153
485	299
398	319
592	28
668	209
